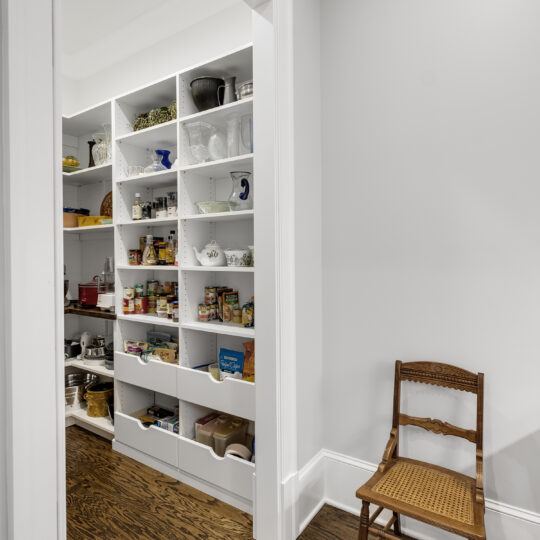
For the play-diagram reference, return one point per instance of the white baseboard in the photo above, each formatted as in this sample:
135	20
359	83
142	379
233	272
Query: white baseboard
333	478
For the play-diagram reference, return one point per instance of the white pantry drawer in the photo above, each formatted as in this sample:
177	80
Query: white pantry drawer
229	473
156	442
231	396
154	375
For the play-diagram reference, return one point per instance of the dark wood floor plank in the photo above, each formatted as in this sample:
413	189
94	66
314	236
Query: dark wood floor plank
112	497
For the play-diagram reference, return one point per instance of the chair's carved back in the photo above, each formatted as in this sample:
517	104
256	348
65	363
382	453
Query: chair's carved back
441	375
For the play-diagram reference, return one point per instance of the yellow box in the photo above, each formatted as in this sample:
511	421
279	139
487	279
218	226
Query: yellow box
89	221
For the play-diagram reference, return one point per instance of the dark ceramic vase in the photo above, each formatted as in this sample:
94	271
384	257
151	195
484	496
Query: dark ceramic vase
91	157
207	92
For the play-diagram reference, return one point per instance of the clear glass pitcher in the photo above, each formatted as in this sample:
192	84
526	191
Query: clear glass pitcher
241	197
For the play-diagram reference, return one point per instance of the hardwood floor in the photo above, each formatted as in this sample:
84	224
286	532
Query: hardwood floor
110	497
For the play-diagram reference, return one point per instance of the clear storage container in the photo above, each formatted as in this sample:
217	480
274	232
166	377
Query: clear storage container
205	427
234	431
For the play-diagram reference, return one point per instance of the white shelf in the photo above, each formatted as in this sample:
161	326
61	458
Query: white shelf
99	370
221	167
220	216
149	222
157	179
161	135
220	114
148	319
241	269
140	267
90	175
230	396
220	328
102	423
87	121
92	228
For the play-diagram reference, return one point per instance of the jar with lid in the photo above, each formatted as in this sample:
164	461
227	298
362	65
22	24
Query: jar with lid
161	209
137	208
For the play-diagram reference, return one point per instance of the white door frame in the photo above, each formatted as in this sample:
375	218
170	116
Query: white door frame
29	285
32	189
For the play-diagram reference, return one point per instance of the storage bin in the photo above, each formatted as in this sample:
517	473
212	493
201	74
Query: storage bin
234	431
205	427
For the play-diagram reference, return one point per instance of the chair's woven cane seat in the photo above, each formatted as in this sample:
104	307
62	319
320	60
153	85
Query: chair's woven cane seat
428	489
429	493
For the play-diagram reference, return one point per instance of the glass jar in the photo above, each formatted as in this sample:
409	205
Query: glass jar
161	208
172	205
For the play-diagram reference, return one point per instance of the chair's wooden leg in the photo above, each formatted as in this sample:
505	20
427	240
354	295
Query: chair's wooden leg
397	524
364	521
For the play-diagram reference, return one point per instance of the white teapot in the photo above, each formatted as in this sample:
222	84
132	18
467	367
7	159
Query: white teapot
210	255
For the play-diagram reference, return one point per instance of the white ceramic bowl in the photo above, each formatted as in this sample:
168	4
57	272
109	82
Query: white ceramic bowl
212	207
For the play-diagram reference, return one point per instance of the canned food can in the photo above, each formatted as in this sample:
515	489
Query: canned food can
152	304
203	313
152	287
139	290
134	257
129	306
129	293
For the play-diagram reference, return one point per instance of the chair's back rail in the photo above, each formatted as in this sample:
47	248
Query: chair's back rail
437	426
440	375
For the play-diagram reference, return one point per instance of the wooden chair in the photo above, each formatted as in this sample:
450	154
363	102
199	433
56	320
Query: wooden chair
435	495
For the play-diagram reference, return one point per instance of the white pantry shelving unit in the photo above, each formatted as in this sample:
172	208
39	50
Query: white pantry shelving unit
86	248
139	385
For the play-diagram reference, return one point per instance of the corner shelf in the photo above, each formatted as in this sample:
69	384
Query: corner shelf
109	227
89	312
102	424
98	370
90	175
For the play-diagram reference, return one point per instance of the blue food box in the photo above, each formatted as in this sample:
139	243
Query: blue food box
231	363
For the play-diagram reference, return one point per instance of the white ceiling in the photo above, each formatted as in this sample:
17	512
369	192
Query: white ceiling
99	33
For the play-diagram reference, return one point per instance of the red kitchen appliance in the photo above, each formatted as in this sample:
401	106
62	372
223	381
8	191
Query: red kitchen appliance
88	292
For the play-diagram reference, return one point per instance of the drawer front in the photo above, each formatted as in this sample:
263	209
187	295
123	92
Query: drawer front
156	442
231	396
229	473
154	375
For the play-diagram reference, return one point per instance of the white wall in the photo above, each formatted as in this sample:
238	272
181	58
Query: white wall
228	29
431	226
